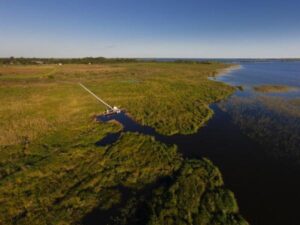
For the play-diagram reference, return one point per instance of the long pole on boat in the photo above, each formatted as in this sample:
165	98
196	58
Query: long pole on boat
99	99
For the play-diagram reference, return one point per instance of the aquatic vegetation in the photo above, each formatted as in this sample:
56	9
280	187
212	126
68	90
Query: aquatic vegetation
273	88
273	122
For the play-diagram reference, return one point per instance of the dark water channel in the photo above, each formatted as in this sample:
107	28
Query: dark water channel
267	188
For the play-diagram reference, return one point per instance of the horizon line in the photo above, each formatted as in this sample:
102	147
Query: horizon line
78	57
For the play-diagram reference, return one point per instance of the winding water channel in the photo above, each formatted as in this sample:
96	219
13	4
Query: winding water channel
265	181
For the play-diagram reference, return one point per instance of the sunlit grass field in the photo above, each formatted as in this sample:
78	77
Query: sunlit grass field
171	97
51	171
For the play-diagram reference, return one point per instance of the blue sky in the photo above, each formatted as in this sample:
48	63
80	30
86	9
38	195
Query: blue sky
152	28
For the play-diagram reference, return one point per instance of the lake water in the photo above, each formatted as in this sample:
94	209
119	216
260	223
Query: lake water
266	179
254	138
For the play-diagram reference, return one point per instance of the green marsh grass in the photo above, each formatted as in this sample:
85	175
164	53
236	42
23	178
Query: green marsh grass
51	171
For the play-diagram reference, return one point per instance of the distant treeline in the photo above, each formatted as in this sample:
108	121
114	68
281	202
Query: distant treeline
91	60
99	60
87	60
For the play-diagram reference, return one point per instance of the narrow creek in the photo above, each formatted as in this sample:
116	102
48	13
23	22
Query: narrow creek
267	189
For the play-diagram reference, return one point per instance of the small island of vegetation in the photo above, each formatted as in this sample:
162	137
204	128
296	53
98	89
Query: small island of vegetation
268	88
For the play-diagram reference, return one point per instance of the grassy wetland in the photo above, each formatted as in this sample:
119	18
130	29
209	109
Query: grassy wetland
52	172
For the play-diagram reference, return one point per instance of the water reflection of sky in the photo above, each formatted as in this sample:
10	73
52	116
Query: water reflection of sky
265	73
281	110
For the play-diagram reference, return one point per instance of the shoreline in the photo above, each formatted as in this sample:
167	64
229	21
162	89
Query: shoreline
229	69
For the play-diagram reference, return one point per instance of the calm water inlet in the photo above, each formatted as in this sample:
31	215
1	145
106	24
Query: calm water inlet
254	138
